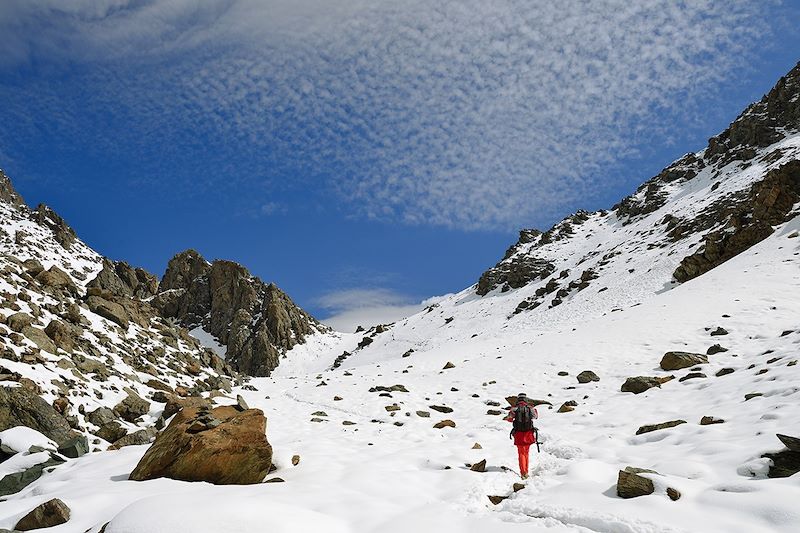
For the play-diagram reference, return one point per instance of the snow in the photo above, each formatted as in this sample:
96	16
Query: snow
392	472
209	341
21	438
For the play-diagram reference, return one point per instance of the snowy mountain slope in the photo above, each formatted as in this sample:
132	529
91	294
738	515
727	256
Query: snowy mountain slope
700	211
374	475
704	254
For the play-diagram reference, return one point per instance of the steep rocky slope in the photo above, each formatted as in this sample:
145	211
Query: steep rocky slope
101	342
255	321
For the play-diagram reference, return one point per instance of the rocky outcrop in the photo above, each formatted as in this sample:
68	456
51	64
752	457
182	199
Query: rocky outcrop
22	407
63	233
121	279
762	123
8	194
769	202
224	446
257	322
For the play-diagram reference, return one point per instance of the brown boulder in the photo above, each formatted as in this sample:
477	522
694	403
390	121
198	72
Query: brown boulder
631	485
49	514
61	335
679	360
223	446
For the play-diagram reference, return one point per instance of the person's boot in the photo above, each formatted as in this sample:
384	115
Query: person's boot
524	476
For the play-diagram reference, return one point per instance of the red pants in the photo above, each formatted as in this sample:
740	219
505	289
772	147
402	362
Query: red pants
522	452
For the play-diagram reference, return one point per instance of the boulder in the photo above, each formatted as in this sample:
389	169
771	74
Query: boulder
49	514
444	424
679	360
109	310
74	447
713	350
61	335
137	438
234	451
19	321
719	331
441	408
586	376
32	266
111	431
132	407
39	338
57	280
497	499
15	482
631	485
674	494
101	416
480	466
639	384
724	372
22	407
709	420
656	427
793	443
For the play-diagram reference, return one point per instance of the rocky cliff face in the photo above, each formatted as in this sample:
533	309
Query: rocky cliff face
749	180
257	322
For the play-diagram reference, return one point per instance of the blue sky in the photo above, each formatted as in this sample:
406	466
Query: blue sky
364	155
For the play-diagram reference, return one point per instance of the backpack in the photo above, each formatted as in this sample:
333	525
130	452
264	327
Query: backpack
523	418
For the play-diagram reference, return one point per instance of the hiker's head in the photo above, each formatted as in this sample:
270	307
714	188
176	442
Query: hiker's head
522	398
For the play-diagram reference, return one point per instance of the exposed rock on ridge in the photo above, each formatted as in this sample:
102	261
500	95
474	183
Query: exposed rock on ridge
256	321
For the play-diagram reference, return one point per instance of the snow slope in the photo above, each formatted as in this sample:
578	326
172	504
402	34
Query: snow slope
377	476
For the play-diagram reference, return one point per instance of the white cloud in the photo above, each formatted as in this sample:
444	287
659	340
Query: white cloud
459	113
350	308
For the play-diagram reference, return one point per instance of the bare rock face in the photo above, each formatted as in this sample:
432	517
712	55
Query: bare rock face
22	407
256	321
768	203
224	446
121	279
8	194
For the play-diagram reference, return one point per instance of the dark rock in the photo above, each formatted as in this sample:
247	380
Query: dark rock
234	452
444	424
724	372
101	416
640	384
137	438
631	485
22	407
692	375
423	414
49	514
680	360
111	431
497	499
586	376
480	466
708	420
61	335
240	403
656	427
793	443
132	407
752	395
19	321
441	408
109	310
448	366
768	203
74	447
56	281
15	482
719	331
673	494
784	464
516	487
713	350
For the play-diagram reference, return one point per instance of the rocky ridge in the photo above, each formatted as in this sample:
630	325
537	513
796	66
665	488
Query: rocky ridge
735	215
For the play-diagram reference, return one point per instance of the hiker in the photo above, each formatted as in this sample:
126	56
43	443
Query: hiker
522	416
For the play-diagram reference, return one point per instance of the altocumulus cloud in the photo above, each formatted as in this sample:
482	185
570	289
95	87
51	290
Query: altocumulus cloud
465	113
